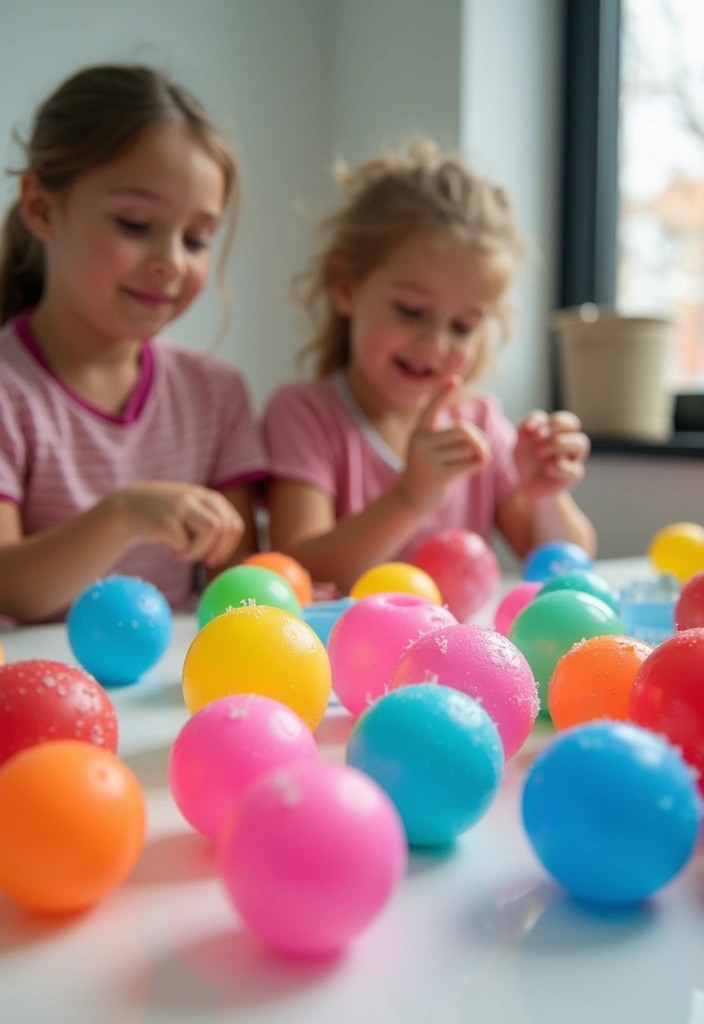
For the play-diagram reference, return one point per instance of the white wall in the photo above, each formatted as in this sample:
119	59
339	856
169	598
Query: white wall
629	499
395	72
261	67
509	131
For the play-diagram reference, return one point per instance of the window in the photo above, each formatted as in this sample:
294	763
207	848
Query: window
633	174
660	231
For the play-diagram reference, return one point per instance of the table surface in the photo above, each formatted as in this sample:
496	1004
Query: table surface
478	935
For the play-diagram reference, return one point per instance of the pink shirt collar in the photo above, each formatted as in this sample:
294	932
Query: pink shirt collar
136	401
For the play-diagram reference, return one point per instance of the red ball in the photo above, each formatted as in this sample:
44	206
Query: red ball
464	567
46	700
667	696
689	612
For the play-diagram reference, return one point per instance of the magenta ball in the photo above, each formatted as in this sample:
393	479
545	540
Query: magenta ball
484	665
367	642
311	856
464	567
513	603
227	745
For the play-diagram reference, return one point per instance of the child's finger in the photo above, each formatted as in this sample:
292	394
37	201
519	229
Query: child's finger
437	401
564	420
232	529
567	471
204	528
571	446
536	424
174	533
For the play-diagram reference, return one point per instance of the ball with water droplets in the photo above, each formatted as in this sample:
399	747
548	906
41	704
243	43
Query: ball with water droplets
396	578
43	700
514	602
244	585
667	695
552	623
291	570
678	549
463	566
548	560
263	650
311	856
119	628
72	822
612	811
437	754
689	611
224	747
482	664
367	642
594	680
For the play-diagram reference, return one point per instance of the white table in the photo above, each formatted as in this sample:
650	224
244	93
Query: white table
481	935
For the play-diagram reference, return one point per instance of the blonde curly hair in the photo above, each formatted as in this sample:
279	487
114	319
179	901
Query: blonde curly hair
388	199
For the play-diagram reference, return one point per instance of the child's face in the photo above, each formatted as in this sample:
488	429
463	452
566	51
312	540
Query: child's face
414	318
129	243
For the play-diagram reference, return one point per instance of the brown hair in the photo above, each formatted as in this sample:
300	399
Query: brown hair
387	200
89	120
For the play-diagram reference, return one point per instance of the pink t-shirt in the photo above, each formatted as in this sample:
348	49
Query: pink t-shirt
189	419
317	434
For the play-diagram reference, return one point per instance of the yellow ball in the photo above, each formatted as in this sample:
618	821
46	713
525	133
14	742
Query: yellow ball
262	650
398	578
679	549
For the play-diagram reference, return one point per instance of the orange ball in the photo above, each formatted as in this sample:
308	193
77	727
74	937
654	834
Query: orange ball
2	656
291	570
594	679
72	822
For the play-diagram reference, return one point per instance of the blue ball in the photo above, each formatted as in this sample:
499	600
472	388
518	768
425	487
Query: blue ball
548	560
321	616
612	812
437	754
118	628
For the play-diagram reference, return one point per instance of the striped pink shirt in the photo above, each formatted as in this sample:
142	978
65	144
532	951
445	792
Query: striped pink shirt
317	434
189	419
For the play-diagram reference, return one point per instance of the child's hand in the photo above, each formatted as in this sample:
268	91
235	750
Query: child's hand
198	523
550	453
436	457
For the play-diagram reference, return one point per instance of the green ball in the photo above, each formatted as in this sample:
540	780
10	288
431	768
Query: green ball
242	585
552	624
585	581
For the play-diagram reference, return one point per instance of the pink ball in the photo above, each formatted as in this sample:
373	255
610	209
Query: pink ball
224	747
513	603
484	665
463	566
368	640
689	611
311	856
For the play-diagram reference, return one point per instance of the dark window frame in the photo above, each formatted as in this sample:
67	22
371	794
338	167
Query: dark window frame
589	206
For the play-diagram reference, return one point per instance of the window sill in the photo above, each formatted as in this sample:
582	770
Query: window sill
684	444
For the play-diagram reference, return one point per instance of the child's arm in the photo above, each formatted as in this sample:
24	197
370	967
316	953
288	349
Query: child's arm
303	522
550	454
41	574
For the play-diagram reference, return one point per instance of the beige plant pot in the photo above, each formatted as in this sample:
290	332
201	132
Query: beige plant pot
614	372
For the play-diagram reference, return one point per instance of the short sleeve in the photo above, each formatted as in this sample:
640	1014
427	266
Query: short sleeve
502	435
298	433
241	456
13	451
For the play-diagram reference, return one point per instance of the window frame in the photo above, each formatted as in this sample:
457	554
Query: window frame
588	243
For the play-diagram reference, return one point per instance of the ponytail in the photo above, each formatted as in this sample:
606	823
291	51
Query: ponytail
21	266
